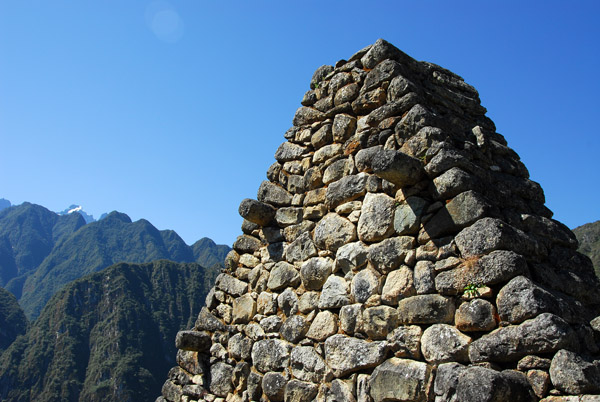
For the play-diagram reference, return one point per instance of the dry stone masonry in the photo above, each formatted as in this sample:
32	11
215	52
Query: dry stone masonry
397	252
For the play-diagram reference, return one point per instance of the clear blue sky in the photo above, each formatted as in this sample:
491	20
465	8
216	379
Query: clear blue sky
172	111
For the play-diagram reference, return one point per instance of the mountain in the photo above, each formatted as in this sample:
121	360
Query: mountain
4	203
41	251
95	246
28	234
78	209
12	319
108	336
589	242
207	253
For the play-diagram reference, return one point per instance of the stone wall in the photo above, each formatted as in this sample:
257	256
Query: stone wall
397	252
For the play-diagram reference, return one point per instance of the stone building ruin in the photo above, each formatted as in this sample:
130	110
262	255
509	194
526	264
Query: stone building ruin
397	252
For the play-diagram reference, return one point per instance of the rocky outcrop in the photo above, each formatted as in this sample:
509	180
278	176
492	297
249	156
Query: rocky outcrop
397	252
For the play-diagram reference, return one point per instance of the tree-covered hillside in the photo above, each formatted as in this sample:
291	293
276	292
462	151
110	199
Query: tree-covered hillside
12	319
589	242
108	336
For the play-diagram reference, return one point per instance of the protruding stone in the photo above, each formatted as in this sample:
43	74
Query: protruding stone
256	212
378	322
231	285
294	328
390	253
397	167
351	256
544	334
407	215
301	249
346	189
195	341
270	193
289	151
364	284
398	284
220	379
273	385
521	299
405	341
299	391
244	308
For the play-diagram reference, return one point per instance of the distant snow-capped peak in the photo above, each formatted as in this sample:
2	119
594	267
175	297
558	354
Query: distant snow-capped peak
79	209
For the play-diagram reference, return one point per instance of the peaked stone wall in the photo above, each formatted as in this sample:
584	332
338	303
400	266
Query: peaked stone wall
397	252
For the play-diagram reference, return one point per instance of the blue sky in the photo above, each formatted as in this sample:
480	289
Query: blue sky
172	111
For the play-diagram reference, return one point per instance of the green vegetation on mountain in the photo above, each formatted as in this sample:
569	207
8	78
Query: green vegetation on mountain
589	242
207	253
28	233
41	251
108	336
12	319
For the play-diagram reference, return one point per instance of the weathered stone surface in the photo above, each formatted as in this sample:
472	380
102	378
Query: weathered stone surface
405	341
327	152
288	302
333	231
539	381
172	391
271	355
364	158
397	167
378	322
254	386
289	151
533	362
231	285
343	126
196	341
385	384
266	303
424	277
323	326
244	308
368	101
307	364
239	347
321	137
443	343
287	216
426	309
308	302
475	315
497	267
483	384
572	374
270	193
335	293
407	215
282	276
376	217
315	272
337	170
301	249
351	256
350	317
307	115
246	244
390	253
382	50
273	385
299	391
206	321
346	189
220	379
364	285
461	211
398	284
453	182
521	299
256	212
345	355
544	334
271	323
294	328
489	234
